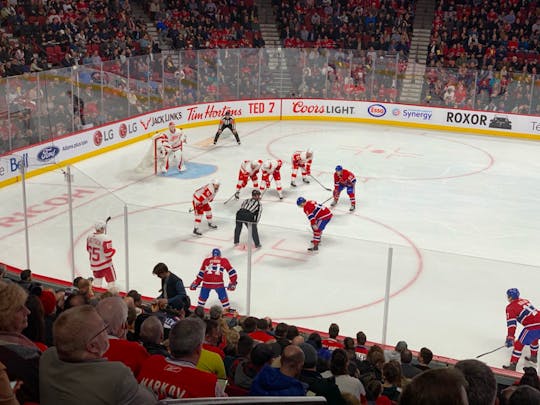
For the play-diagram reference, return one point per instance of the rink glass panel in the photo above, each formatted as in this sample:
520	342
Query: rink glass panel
40	109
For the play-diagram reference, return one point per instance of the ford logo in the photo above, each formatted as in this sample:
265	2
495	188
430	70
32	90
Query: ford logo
48	153
376	110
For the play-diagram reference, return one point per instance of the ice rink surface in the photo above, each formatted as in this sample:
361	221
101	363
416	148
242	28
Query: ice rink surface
460	212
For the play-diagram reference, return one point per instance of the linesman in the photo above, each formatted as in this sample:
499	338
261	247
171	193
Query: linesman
249	213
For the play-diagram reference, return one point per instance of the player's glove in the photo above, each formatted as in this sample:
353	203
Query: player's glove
231	287
193	286
509	342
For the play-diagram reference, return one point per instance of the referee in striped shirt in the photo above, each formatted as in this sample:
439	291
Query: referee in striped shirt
249	212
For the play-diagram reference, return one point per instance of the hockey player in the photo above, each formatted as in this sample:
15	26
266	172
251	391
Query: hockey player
318	216
177	139
101	252
163	149
211	276
303	160
227	121
249	169
271	168
344	179
201	204
522	311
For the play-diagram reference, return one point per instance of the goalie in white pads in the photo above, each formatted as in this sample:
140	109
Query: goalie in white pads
271	169
177	139
201	204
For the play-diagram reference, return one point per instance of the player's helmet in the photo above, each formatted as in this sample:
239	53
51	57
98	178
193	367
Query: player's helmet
216	252
255	193
215	182
309	152
300	201
339	168
100	226
266	165
513	293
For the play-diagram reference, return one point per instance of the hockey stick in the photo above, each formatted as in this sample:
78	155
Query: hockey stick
320	184
491	351
106	223
230	198
328	199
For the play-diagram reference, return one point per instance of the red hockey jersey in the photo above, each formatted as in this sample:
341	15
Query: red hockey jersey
211	272
204	195
316	212
346	179
522	311
171	379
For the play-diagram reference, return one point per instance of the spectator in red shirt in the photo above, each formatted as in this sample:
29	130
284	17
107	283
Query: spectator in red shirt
114	311
332	342
177	377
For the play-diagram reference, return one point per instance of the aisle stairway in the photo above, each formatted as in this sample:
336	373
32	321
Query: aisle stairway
411	91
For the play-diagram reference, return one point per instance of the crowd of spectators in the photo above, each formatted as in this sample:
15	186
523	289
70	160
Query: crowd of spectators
77	345
189	24
484	55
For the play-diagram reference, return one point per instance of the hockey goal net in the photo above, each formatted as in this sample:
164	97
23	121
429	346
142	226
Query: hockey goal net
149	162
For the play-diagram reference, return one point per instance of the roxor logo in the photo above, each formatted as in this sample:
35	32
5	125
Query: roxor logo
376	110
466	118
48	153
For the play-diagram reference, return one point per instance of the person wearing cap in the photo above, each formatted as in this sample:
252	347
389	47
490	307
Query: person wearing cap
249	214
521	310
101	252
227	121
344	179
201	204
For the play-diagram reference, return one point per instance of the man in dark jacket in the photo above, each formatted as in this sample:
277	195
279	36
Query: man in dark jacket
173	292
284	381
249	213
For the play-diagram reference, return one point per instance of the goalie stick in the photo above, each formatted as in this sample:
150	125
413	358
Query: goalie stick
320	184
491	351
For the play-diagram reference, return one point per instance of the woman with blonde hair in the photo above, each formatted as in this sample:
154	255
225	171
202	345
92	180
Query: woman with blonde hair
18	353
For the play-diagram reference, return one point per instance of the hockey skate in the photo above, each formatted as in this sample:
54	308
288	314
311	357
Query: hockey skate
211	225
333	203
305	180
292	184
353	207
197	232
511	367
314	248
533	359
280	196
